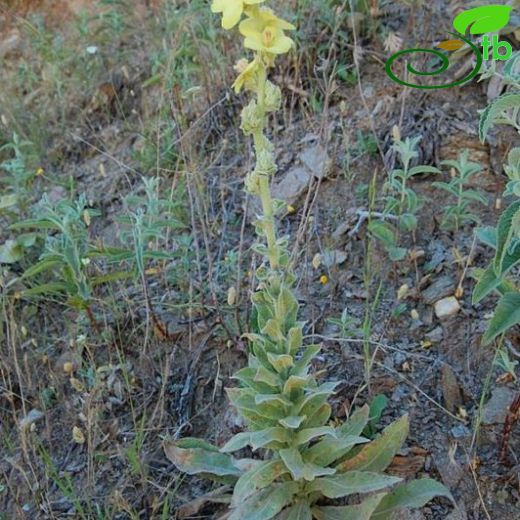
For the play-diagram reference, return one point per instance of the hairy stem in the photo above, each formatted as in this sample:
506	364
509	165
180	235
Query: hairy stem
265	192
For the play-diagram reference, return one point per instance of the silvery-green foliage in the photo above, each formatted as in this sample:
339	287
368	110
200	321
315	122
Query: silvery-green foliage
502	274
401	201
65	259
459	213
302	458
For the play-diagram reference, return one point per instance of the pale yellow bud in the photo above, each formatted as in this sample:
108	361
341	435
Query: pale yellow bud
78	436
232	296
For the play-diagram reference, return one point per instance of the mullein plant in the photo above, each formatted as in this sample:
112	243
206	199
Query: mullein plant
303	462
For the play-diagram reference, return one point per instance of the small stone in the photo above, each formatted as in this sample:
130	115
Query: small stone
447	307
460	432
442	287
293	184
495	410
317	161
436	335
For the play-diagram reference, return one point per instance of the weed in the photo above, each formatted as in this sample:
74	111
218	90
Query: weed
401	201
459	213
63	267
505	237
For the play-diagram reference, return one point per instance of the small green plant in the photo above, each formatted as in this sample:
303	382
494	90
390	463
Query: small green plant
305	461
348	326
64	262
459	213
504	362
505	237
401	201
17	173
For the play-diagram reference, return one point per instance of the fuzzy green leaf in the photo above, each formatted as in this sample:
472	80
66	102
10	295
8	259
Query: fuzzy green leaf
259	477
256	440
300	470
301	365
43	265
319	416
293	422
300	511
294	339
273	329
356	422
413	494
337	486
307	435
10	252
280	363
505	231
422	169
200	460
487	283
328	451
267	503
384	232
378	455
493	111
507	314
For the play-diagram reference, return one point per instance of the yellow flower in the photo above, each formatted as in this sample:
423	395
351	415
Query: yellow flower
231	10
265	33
247	76
40	171
324	279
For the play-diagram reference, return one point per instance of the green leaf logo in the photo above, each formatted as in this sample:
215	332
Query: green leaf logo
484	19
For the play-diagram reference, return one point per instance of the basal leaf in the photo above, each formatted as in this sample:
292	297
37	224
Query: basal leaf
361	511
259	477
507	314
378	455
199	460
483	19
356	422
300	511
413	494
328	451
267	503
353	482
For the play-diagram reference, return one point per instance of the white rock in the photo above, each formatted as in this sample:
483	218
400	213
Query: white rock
447	307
